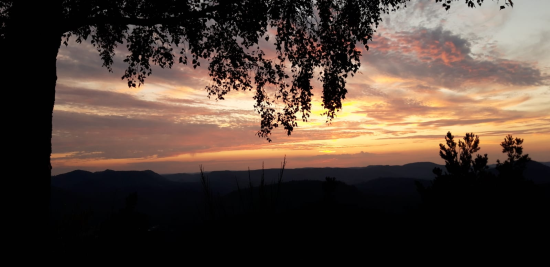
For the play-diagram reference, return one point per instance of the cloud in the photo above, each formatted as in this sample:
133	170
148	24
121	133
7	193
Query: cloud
453	122
122	137
82	63
397	109
98	99
419	136
182	101
399	106
520	132
104	102
88	135
370	91
440	58
498	133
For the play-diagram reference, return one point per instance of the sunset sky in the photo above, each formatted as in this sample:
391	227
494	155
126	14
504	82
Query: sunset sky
428	71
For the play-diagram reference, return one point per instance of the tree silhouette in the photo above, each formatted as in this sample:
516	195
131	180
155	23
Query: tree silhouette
515	164
468	190
461	162
310	35
454	192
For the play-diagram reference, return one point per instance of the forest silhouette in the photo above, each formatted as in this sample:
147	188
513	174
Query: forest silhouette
466	202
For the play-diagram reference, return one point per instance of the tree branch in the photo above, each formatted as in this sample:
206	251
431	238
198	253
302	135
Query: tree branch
75	23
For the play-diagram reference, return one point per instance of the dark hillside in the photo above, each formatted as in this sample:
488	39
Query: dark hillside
105	193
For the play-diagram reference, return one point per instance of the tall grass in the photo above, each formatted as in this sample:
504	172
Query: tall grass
266	201
208	198
279	182
241	201
261	191
251	189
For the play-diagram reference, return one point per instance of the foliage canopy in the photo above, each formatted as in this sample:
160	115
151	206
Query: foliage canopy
311	37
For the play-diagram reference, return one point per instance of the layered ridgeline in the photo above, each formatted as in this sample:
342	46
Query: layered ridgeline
179	199
104	193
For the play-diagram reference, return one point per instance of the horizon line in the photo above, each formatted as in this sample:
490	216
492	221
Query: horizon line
543	162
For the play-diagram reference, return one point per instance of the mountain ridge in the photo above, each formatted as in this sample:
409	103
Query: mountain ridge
176	198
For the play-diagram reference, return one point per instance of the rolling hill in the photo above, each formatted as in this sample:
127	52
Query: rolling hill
178	198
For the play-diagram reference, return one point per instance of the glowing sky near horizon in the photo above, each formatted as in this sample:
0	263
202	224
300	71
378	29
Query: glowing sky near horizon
427	72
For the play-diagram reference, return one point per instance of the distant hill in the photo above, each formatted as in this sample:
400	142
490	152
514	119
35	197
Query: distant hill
546	163
224	182
392	194
84	181
163	198
105	192
537	172
178	197
390	186
293	195
368	203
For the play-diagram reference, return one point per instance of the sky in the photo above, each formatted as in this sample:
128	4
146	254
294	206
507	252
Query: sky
428	71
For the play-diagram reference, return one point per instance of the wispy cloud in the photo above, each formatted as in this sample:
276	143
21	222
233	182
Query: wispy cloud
427	72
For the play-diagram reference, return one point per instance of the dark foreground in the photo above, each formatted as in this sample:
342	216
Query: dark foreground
323	228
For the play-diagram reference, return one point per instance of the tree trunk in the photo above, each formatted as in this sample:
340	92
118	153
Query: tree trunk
29	50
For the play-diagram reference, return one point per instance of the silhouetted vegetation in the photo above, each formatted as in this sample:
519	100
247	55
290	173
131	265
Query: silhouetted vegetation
468	201
309	35
467	190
